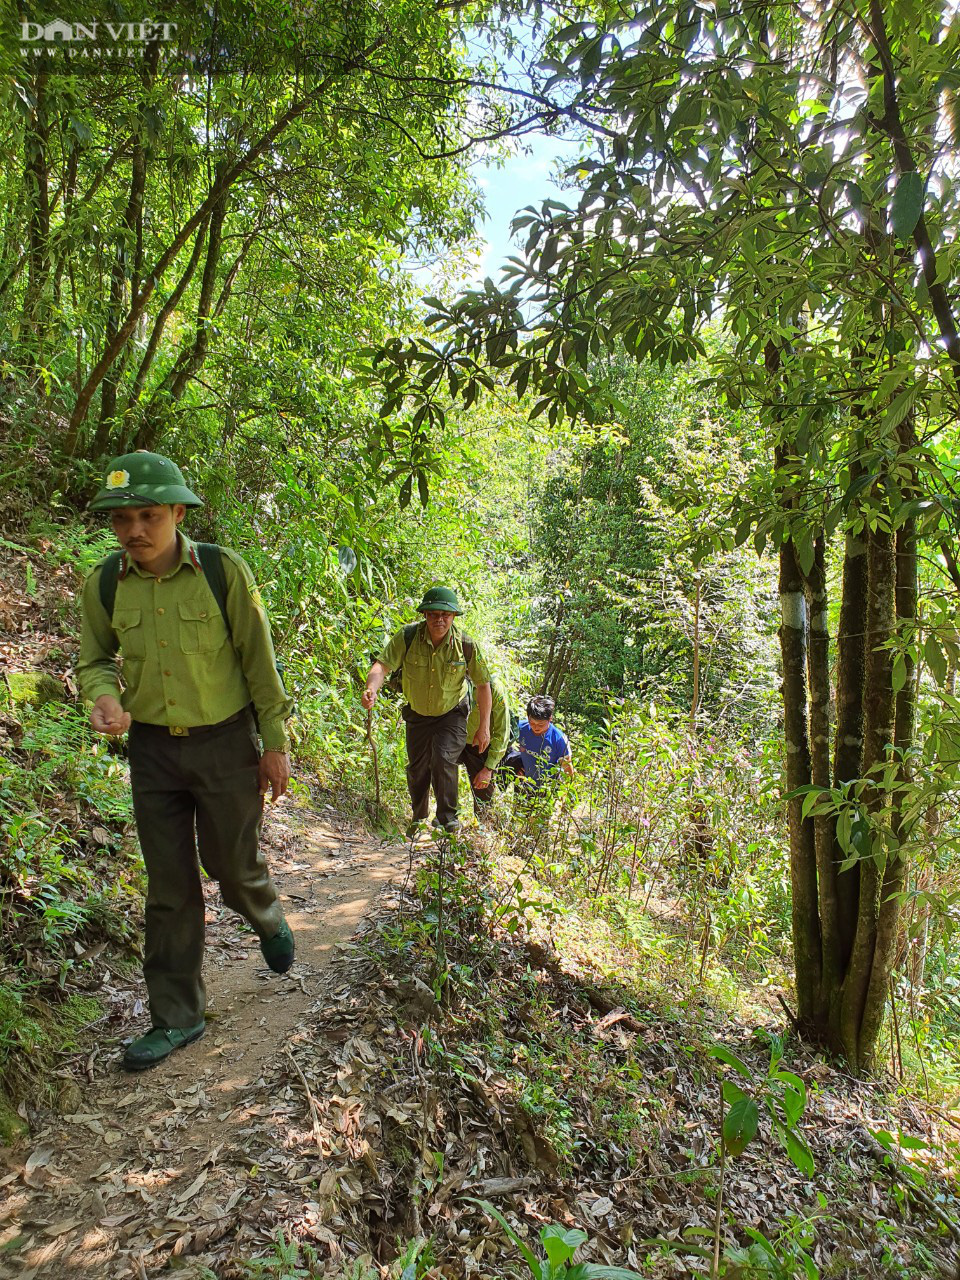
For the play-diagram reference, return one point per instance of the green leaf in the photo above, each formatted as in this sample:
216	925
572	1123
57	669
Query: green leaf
528	1254
935	658
742	533
800	1153
791	1078
560	1243
794	1103
805	553
723	1054
740	1125
597	1271
901	406
591	54
906	205
810	801
899	677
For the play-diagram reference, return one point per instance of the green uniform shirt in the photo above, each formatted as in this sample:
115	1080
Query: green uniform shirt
434	679
499	723
180	665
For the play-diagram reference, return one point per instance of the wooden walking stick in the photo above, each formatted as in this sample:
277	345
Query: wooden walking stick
376	765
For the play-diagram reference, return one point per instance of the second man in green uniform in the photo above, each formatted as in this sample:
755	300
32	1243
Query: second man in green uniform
481	766
435	659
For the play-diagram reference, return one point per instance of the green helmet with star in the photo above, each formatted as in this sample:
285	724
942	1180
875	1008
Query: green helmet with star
440	600
143	479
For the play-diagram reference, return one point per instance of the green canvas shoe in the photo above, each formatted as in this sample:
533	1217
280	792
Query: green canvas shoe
278	950
157	1044
451	827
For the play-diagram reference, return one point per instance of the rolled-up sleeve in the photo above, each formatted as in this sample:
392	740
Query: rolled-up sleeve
97	670
499	726
477	668
250	632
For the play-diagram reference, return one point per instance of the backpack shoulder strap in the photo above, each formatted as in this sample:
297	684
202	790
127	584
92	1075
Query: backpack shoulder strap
109	575
469	648
211	562
409	631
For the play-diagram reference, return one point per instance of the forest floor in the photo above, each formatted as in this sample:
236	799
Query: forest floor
159	1165
334	1115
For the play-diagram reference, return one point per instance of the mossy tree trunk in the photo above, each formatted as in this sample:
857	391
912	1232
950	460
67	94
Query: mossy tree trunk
848	873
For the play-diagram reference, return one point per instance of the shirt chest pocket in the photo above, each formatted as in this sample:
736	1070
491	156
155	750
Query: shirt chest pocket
128	624
201	628
453	673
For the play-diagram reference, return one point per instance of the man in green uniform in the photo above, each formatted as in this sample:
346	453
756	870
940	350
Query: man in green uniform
482	765
199	680
435	659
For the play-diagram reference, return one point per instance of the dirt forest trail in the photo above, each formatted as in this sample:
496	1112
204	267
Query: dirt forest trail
153	1168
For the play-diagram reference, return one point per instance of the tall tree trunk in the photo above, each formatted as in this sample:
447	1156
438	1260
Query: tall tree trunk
228	177
803	857
160	323
191	358
69	199
36	179
118	289
896	866
128	259
878	730
824	827
897	863
848	742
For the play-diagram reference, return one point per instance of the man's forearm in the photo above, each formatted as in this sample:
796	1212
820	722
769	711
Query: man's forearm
375	677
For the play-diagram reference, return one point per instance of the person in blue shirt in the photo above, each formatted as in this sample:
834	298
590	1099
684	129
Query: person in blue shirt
540	745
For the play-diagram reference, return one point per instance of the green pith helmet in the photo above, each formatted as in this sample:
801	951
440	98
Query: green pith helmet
143	479
440	600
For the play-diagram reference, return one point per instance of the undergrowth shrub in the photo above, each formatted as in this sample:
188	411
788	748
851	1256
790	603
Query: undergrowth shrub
68	876
657	820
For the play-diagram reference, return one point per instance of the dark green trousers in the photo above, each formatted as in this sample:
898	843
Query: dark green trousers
193	795
434	744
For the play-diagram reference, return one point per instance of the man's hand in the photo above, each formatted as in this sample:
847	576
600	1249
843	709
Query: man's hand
274	774
375	678
482	779
481	739
108	716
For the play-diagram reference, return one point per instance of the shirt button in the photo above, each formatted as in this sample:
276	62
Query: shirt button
203	613
168	673
171	702
160	610
163	644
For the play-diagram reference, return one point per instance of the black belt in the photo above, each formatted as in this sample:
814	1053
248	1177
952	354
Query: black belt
182	731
